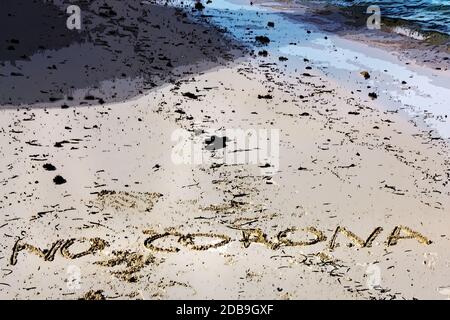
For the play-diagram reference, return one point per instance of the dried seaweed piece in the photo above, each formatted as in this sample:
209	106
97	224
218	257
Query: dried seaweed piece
142	201
133	261
256	236
191	95
93	295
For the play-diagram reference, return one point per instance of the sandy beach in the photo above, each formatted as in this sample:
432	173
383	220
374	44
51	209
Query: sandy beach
123	175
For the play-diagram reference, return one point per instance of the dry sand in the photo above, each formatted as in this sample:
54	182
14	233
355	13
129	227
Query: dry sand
127	222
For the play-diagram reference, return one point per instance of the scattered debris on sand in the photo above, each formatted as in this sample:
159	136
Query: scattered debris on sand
94	295
123	200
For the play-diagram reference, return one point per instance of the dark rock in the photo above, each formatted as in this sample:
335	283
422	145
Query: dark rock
262	39
59	180
373	95
199	6
365	74
263	53
49	167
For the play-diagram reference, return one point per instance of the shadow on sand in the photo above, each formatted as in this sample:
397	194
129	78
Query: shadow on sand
122	49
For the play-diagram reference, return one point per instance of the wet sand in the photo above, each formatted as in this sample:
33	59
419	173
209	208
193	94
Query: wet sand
94	206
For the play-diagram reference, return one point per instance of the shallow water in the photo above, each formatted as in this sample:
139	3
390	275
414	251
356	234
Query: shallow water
432	15
425	96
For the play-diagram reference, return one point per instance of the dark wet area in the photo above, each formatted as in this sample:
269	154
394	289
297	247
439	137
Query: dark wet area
32	26
123	49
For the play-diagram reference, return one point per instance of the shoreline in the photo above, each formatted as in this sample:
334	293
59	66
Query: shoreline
395	35
401	83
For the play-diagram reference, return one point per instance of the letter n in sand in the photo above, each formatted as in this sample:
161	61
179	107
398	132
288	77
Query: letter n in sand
46	254
354	238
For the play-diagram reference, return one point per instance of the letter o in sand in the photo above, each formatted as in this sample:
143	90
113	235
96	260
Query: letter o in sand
148	242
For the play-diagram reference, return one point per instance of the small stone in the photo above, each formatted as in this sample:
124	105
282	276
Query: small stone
49	167
59	180
365	74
